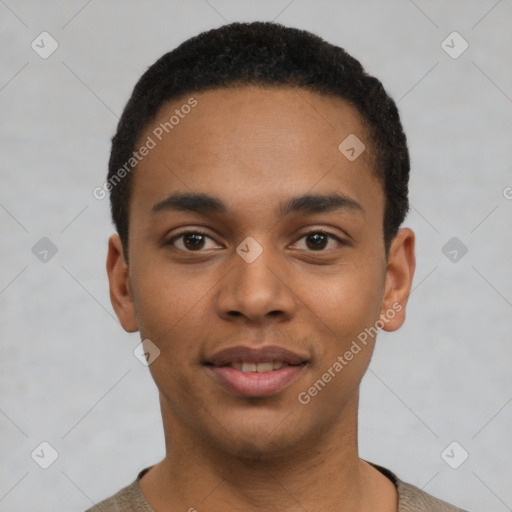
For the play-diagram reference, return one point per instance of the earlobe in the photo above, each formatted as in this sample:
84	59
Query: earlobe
119	283
399	274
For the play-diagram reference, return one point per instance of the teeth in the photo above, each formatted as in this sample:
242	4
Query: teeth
264	367
249	367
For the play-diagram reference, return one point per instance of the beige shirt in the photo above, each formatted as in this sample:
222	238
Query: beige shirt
410	498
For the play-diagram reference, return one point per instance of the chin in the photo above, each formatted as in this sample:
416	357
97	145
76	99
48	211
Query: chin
258	440
257	450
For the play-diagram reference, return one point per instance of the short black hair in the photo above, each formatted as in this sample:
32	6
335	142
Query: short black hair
263	54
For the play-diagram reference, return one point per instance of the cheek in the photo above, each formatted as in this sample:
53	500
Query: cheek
346	302
170	309
345	308
170	303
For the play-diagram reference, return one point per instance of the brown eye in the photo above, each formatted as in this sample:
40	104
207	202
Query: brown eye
317	241
192	241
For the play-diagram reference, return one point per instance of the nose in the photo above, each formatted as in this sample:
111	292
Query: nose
256	292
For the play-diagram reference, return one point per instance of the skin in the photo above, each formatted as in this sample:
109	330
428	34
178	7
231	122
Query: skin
253	148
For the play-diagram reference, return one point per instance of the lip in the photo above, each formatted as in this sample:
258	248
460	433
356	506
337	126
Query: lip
255	384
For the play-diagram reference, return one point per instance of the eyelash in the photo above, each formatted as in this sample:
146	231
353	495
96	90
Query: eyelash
202	233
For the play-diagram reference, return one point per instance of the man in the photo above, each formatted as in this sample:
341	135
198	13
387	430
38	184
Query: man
258	181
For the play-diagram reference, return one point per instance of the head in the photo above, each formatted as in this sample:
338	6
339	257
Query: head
245	225
271	55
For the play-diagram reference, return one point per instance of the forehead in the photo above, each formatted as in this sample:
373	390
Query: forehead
242	118
262	140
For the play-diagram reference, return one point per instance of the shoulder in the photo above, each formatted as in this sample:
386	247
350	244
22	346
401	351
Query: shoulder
412	499
128	499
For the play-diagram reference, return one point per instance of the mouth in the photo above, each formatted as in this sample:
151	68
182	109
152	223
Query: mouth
264	367
250	372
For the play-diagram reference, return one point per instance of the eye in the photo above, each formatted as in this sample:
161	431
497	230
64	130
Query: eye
196	241
191	241
319	240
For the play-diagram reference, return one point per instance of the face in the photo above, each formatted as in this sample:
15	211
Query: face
256	262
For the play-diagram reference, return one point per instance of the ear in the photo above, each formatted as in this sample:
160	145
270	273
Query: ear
119	283
399	273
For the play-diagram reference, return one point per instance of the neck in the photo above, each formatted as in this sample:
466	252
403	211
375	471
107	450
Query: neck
325	473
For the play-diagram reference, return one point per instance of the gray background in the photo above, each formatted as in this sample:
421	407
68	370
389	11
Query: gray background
68	375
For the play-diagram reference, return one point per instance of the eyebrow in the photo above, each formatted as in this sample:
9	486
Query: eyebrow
307	203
